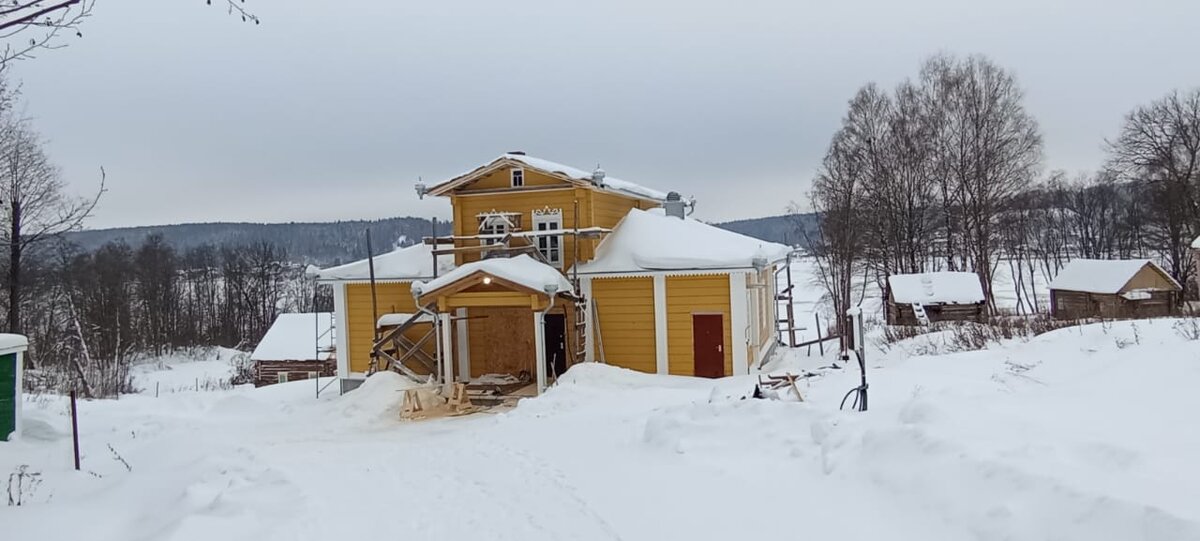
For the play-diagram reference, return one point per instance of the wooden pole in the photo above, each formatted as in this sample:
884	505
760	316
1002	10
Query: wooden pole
433	221
790	300
371	275
75	428
820	343
575	263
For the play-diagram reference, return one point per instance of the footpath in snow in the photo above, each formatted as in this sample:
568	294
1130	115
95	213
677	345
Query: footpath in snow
1083	433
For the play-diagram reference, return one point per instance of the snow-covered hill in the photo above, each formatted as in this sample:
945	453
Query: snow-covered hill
1083	433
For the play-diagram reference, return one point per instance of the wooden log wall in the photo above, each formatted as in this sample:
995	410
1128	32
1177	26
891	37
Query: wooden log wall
267	372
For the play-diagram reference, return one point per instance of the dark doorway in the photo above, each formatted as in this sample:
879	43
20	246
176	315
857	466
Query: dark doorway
708	345
556	343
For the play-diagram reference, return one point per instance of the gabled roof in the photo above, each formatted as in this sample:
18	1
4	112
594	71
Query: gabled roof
936	288
649	240
521	270
402	264
1103	276
566	173
297	337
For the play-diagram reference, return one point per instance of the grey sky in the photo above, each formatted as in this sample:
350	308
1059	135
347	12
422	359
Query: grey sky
331	110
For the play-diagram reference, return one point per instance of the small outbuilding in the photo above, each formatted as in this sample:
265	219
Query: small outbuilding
297	346
1128	288
12	357
927	297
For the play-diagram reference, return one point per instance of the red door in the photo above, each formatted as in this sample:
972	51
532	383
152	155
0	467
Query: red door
708	345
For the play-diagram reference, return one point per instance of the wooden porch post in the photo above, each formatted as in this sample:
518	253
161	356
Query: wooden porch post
447	359
539	346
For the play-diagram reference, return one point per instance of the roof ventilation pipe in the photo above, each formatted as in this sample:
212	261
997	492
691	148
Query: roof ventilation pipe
674	205
516	152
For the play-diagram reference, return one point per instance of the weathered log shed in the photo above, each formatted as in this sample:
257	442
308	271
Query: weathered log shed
1118	289
920	299
297	347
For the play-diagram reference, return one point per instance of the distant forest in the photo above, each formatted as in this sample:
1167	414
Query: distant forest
333	243
317	243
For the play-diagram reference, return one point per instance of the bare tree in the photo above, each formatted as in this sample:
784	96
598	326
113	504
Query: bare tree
990	151
27	26
1159	146
36	206
842	236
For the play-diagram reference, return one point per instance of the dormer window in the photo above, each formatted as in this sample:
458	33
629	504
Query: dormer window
518	178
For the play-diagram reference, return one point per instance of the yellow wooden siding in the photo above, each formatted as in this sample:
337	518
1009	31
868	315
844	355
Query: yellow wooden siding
1148	278
687	295
467	209
596	208
626	314
392	298
502	179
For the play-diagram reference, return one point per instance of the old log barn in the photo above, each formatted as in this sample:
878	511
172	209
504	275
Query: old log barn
297	346
1128	288
548	266
924	298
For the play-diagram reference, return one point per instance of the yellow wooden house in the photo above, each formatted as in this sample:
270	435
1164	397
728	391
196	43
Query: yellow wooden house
548	266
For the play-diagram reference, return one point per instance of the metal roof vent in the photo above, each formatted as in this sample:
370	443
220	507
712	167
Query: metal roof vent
516	152
598	176
674	205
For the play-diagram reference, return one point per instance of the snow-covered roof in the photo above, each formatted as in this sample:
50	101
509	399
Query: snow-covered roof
12	342
943	287
609	183
408	263
1103	276
522	270
297	337
388	320
649	240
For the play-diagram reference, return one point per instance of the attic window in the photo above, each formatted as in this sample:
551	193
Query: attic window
518	178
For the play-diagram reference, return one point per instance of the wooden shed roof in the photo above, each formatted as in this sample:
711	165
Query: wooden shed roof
1107	276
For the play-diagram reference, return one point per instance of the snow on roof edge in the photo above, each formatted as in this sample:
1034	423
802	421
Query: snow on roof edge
1103	276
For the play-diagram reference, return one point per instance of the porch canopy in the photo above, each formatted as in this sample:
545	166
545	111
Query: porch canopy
503	282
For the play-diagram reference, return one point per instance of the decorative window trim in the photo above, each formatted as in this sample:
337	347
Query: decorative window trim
551	246
516	177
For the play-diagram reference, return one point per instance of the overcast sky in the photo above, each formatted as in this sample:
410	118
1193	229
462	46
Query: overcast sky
332	109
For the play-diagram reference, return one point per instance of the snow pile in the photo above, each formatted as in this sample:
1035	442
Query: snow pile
381	396
402	264
297	337
936	288
1081	434
521	270
1103	276
648	240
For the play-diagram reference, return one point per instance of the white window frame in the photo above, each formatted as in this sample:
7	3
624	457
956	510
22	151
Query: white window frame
495	223
516	177
281	377
312	375
551	246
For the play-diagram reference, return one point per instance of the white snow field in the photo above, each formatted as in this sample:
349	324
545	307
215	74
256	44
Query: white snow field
1084	433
